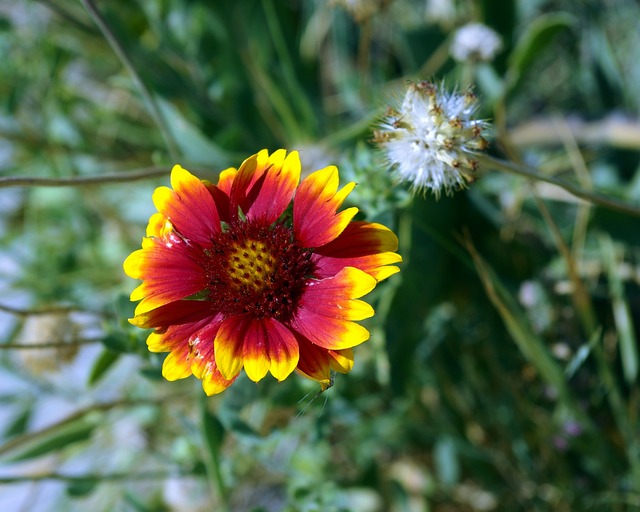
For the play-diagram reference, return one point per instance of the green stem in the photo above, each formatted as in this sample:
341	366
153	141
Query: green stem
49	344
94	478
532	173
46	310
212	434
580	295
81	181
67	16
215	475
119	50
354	130
105	406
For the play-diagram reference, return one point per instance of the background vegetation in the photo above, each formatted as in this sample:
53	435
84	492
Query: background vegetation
502	373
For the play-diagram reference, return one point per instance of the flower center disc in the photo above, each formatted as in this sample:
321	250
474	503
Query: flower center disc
258	270
251	266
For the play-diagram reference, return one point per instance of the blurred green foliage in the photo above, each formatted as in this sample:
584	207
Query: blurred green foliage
502	369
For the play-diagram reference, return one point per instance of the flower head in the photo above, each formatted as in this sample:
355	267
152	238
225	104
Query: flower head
475	42
431	138
243	274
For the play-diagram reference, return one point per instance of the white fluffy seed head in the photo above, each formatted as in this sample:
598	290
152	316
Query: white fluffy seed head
430	139
475	42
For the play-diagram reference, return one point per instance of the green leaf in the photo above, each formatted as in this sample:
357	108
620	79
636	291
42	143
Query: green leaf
5	24
152	372
621	310
19	424
193	145
136	504
124	308
55	440
603	53
117	342
81	488
538	36
232	422
530	345
105	361
213	432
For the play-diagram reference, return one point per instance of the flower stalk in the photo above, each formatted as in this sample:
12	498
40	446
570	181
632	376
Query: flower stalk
489	162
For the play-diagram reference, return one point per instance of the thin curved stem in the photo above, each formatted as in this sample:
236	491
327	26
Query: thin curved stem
119	50
50	344
101	407
81	181
95	478
46	310
532	173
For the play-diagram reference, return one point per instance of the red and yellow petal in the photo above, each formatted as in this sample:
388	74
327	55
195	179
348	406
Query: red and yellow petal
157	226
229	345
177	365
315	221
178	313
223	204
256	351
190	352
264	184
221	194
189	206
181	328
169	273
260	345
341	360
337	296
241	184
329	307
282	176
367	246
226	178
269	346
329	332
204	365
187	335
213	382
316	363
284	352
205	369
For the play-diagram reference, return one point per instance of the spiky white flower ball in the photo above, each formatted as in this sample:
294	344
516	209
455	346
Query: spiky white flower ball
474	42
431	139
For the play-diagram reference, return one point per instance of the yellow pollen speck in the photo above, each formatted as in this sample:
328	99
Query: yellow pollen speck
250	265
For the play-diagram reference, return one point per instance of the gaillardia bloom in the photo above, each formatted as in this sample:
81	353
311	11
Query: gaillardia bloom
259	271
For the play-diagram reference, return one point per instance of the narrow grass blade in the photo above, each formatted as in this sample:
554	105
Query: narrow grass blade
531	346
621	312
